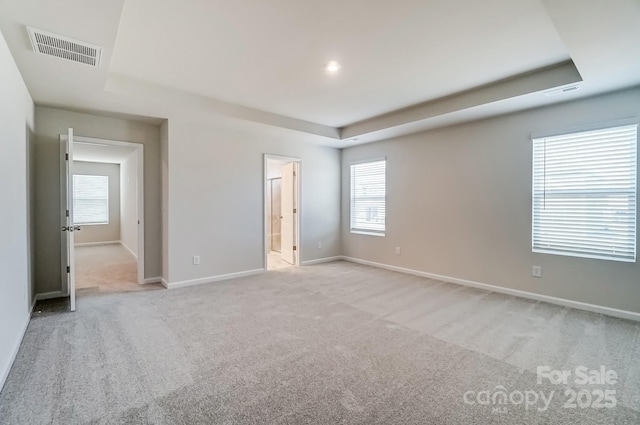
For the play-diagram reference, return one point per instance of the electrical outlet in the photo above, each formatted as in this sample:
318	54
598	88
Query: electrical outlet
196	260
536	271
319	245
397	250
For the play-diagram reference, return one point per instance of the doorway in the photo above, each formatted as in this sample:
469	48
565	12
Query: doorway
106	188
282	211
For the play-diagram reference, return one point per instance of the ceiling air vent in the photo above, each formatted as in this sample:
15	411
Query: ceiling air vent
562	90
46	43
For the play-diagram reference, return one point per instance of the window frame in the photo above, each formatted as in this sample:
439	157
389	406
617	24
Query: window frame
582	195
356	229
108	201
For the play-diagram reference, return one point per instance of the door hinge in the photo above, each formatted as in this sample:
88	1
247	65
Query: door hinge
68	269
294	174
66	156
67	213
295	210
295	247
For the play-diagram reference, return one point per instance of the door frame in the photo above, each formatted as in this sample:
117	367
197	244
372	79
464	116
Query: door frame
139	151
299	208
67	248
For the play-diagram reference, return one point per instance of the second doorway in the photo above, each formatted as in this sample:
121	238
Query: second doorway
282	211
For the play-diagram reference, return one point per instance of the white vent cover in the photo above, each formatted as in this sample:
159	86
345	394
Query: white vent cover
46	43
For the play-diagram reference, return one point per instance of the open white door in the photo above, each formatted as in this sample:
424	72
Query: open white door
67	228
288	212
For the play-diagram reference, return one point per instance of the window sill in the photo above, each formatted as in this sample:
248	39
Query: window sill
581	255
364	232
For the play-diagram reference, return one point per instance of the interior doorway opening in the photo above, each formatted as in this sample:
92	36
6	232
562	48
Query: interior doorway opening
105	254
104	204
282	211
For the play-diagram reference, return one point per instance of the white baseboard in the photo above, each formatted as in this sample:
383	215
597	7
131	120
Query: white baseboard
210	279
14	353
130	251
152	280
322	260
622	314
97	243
50	295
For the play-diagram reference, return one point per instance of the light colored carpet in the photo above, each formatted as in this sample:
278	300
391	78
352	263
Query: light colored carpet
325	344
107	268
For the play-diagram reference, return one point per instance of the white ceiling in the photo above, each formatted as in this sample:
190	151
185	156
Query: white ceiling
270	55
407	65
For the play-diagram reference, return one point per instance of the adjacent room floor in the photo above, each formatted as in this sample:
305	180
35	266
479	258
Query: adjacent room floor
107	268
325	344
275	261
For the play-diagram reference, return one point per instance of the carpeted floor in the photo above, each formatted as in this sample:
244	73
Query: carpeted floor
325	344
107	268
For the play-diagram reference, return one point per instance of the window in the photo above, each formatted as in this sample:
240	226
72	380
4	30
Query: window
90	199
584	194
368	192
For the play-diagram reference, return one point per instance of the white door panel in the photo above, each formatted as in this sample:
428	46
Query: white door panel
287	199
67	228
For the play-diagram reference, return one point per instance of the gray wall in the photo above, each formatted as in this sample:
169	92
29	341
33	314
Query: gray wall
16	126
215	199
459	205
101	232
51	122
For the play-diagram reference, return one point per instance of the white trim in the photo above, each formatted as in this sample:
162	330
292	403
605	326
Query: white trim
97	243
322	260
83	140
50	295
149	280
64	187
141	221
364	161
210	279
14	354
622	314
139	149
132	253
368	233
164	283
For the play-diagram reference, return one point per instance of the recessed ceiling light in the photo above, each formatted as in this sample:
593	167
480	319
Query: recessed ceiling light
333	67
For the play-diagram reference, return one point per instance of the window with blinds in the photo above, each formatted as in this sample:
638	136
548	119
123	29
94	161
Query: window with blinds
90	199
584	194
368	194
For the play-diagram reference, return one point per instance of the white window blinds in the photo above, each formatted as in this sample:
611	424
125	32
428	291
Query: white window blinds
584	194
90	199
368	193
